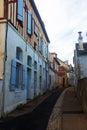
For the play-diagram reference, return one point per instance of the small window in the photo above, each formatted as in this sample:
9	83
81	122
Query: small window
35	65
19	53
29	61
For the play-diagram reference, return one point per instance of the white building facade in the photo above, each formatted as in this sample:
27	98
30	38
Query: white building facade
23	55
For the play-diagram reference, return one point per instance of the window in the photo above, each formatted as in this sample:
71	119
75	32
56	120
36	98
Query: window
29	61
20	10
17	76
19	53
35	65
29	23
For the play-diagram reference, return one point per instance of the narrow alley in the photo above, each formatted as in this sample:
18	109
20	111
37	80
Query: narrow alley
60	110
37	119
43	76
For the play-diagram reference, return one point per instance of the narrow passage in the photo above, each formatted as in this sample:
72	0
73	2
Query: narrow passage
37	119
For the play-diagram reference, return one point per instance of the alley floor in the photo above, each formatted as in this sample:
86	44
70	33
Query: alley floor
67	113
73	117
57	110
34	116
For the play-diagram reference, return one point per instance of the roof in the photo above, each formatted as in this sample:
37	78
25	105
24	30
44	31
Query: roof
57	60
40	20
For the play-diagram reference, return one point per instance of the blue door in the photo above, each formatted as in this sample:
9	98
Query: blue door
28	81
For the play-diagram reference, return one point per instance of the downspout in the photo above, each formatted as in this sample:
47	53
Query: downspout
3	82
5	57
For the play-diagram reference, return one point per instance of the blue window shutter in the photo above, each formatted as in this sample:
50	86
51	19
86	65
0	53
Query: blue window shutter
46	51
40	44
20	10
42	47
29	23
23	77
13	75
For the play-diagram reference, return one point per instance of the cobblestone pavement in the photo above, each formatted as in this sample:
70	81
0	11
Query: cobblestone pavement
56	116
73	117
67	113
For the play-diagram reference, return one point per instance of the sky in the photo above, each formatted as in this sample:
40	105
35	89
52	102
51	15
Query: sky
63	20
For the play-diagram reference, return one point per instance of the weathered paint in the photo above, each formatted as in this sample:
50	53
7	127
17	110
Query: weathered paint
17	37
2	47
13	98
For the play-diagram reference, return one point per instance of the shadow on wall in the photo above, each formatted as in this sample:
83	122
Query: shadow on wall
82	93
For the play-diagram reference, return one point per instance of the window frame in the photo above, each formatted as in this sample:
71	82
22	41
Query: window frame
19	54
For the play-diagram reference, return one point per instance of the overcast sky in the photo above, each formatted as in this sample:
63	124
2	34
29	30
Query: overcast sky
63	20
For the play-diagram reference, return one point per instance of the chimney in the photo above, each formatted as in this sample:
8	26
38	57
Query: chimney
80	41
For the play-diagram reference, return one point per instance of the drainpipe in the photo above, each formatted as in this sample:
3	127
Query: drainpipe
3	82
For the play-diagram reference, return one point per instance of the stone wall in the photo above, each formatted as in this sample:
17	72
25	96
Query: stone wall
82	93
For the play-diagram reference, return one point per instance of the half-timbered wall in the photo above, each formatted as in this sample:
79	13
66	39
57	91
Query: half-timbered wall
22	26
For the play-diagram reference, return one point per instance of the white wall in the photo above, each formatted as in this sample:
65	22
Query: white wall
13	98
82	63
52	76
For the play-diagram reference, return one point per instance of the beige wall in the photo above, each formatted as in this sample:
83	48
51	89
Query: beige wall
1	8
2	46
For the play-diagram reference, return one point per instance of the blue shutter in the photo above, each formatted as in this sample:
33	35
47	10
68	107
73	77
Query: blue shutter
13	75
46	51
29	23
40	44
23	77
20	10
42	47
